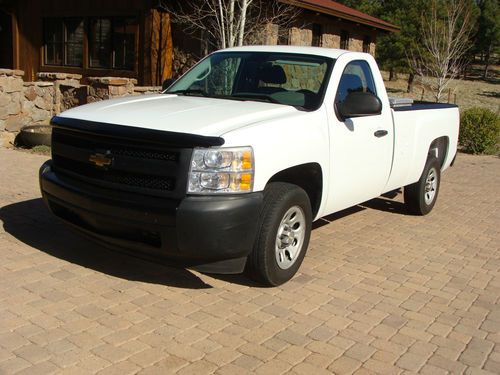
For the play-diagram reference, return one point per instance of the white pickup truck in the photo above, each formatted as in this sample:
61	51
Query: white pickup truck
226	170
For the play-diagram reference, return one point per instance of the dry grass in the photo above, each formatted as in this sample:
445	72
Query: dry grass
465	93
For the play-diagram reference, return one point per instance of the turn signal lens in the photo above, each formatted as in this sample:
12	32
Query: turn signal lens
247	160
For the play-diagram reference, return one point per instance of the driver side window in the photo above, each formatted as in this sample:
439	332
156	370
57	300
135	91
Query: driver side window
357	77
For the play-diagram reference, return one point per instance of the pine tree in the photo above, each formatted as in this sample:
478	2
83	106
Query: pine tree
393	49
488	34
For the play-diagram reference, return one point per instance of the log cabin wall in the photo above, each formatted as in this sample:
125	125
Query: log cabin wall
159	65
6	39
134	18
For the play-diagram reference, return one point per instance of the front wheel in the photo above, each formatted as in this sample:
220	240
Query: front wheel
284	233
421	196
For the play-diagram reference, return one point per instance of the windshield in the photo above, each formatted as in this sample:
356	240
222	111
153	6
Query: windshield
283	78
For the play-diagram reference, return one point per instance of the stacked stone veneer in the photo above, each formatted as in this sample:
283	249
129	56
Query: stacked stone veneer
31	103
11	99
102	88
330	38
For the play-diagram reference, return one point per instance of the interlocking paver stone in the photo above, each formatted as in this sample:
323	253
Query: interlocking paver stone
379	292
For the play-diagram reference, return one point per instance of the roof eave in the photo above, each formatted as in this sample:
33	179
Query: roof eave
343	15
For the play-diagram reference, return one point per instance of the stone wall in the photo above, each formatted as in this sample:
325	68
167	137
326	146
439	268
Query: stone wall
300	37
11	94
32	103
37	104
66	89
302	34
102	88
330	40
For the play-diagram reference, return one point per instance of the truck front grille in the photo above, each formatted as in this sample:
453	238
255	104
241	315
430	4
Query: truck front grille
129	164
115	177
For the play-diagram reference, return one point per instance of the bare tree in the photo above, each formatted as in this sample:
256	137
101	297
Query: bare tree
229	23
445	39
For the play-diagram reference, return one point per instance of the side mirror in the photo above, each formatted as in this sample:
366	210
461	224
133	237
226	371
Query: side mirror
359	104
167	83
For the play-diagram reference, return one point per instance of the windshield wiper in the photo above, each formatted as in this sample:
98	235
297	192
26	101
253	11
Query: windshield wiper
258	97
189	92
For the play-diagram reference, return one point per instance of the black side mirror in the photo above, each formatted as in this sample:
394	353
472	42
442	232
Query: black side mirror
167	83
359	104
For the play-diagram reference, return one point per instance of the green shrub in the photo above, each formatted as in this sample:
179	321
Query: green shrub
480	131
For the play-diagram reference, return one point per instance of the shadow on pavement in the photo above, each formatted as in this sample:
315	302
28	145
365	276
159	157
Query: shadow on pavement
386	205
336	216
383	203
31	223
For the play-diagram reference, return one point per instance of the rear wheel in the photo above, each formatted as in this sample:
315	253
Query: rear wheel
421	196
283	237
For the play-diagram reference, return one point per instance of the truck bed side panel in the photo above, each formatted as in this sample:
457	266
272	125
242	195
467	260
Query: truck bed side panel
414	132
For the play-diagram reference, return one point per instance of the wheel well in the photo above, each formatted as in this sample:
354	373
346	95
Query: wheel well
439	149
309	177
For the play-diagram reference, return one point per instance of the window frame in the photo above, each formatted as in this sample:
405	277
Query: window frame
112	40
336	101
86	69
63	44
322	92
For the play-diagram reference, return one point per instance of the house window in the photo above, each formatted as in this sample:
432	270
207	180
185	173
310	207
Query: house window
316	35
366	44
112	42
344	39
100	43
63	41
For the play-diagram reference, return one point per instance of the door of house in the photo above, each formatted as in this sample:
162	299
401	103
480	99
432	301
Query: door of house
6	50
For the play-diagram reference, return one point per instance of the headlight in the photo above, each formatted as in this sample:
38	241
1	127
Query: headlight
221	170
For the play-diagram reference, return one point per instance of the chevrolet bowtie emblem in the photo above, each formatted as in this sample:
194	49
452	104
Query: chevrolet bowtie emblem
101	160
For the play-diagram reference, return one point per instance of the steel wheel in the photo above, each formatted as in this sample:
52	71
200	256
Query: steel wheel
431	184
421	196
283	237
290	237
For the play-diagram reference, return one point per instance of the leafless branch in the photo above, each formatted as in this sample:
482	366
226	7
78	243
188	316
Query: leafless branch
445	41
229	23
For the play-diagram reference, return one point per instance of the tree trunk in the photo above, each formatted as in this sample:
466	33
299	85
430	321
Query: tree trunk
231	25
222	25
411	78
487	62
244	6
391	74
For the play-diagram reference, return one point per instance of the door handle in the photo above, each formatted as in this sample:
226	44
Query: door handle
380	133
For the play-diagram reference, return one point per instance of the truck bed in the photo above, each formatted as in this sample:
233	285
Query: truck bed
413	136
421	105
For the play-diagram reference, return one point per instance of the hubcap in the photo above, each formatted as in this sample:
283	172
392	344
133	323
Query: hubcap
430	186
290	237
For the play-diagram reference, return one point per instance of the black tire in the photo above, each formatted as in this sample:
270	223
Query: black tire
417	197
279	200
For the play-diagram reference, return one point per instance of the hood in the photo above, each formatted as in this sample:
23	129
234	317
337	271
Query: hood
182	114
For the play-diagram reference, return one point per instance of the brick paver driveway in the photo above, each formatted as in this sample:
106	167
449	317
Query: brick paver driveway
379	292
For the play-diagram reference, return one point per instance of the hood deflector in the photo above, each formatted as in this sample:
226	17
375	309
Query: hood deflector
141	134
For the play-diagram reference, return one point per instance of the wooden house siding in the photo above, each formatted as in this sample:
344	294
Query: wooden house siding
155	37
28	38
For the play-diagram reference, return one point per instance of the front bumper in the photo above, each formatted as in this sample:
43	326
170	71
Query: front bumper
208	233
